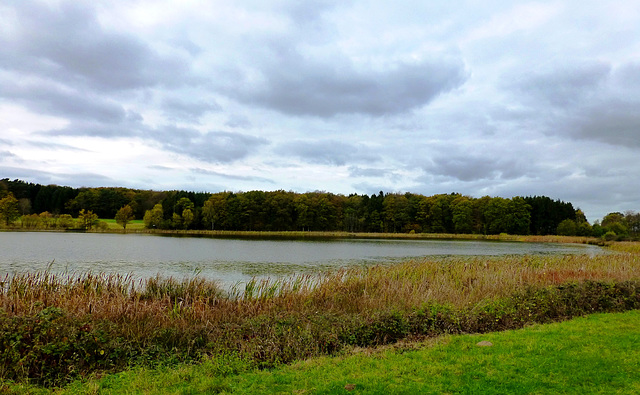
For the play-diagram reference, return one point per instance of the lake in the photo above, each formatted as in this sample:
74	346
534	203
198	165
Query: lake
232	260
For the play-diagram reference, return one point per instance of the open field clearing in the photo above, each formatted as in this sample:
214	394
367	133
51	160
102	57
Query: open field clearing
131	226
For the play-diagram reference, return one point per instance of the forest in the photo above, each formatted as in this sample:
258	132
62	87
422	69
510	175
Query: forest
311	211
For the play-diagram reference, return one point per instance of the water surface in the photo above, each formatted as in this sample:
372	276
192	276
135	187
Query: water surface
232	260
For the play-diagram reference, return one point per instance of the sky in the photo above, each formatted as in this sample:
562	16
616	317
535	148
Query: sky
498	98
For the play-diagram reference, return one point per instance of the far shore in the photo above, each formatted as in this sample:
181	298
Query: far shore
330	235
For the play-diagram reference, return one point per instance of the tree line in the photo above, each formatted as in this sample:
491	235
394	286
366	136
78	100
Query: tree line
313	211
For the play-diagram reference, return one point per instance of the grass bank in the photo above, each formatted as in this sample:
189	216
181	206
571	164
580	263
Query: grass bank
55	328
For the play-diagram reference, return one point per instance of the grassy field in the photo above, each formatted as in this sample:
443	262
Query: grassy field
55	329
595	354
134	225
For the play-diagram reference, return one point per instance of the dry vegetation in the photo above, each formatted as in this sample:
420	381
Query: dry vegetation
54	328
295	235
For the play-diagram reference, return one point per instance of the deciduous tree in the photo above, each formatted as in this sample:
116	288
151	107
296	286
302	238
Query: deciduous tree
46	219
519	216
187	218
214	210
9	209
153	218
462	212
87	219
124	216
568	227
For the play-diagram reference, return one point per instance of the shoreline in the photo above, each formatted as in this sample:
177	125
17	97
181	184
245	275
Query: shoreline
309	235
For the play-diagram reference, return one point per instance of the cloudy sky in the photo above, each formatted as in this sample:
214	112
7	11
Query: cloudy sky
497	98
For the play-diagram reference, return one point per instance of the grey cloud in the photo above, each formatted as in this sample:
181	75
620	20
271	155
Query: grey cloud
54	146
612	117
213	147
67	42
309	19
328	152
94	129
52	99
129	125
67	179
187	45
616	122
159	167
592	101
627	77
7	154
231	176
305	14
188	110
474	168
597	196
26	174
298	85
86	180
238	121
565	86
355	171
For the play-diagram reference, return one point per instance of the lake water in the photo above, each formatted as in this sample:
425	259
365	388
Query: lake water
231	260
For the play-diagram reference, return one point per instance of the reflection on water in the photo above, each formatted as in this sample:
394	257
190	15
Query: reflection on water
232	260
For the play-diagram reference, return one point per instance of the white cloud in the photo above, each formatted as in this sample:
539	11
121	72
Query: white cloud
521	17
356	96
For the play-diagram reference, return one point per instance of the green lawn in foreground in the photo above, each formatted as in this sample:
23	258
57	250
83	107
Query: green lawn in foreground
595	354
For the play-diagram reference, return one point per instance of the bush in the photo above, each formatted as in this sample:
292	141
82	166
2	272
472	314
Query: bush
381	329
610	236
49	348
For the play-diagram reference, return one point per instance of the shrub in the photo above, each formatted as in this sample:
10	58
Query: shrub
49	348
610	236
384	328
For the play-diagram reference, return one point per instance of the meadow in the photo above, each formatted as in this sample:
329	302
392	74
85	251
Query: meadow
59	329
112	225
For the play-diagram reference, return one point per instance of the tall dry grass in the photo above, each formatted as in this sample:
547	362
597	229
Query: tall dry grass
629	247
359	235
454	281
460	281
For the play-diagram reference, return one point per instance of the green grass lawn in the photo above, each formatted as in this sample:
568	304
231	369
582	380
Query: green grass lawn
597	354
133	225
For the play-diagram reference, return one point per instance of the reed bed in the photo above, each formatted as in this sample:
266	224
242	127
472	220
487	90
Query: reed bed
454	281
358	235
58	327
626	247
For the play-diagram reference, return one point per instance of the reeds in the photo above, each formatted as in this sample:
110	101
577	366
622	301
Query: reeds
455	281
358	235
279	320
